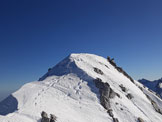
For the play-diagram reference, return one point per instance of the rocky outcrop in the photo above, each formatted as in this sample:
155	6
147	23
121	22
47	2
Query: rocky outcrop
44	117
129	96
115	120
98	71
155	106
53	118
123	88
106	93
140	88
140	119
112	62
110	112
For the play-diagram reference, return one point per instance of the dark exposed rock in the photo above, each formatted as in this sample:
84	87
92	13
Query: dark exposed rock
117	103
140	119
129	96
156	107
107	66
111	61
121	109
131	79
123	88
49	69
106	93
53	118
98	83
150	90
120	70
140	88
44	117
148	97
98	71
44	114
115	120
110	112
118	95
158	95
45	120
112	94
105	102
108	58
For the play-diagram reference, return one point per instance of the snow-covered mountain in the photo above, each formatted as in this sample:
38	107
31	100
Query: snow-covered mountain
83	88
155	85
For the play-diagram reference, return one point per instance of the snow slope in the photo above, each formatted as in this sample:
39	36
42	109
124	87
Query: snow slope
68	91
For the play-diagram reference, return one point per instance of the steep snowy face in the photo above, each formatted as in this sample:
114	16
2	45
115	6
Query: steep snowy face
155	85
83	88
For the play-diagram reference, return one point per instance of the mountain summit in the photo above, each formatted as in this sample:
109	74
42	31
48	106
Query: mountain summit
83	88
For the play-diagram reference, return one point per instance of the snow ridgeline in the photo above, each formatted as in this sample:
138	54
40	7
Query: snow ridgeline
83	88
153	86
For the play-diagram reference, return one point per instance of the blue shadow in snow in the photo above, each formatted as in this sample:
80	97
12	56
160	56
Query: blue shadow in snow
8	105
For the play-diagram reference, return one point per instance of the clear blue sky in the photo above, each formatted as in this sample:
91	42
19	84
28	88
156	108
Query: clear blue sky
36	34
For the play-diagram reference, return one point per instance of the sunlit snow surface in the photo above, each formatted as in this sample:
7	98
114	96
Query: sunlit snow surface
68	91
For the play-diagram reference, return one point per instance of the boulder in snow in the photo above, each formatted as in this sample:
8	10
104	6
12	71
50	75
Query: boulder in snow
98	71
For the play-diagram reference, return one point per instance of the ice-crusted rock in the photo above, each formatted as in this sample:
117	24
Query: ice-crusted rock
106	93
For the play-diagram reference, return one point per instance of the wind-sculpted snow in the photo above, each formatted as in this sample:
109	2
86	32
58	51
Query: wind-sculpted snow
69	92
9	105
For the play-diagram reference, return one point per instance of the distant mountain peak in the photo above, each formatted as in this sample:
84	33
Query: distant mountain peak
155	85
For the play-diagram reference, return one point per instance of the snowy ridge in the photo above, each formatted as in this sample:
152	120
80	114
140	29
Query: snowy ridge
155	85
68	91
